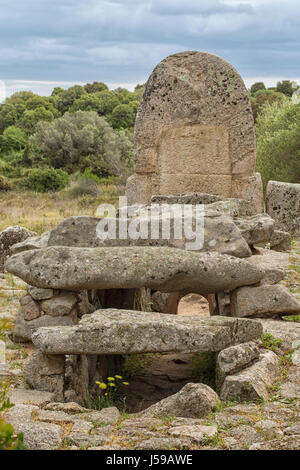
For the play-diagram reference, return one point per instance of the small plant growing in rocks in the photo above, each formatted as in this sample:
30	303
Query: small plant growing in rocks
110	392
9	440
270	342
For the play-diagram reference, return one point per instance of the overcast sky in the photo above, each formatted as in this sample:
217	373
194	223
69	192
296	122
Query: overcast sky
45	43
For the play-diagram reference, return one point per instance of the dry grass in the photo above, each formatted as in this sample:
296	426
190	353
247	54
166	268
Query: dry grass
42	212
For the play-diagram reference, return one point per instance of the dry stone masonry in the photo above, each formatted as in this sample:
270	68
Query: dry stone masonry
87	300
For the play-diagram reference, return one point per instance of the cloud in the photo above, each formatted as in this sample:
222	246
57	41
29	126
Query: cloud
121	41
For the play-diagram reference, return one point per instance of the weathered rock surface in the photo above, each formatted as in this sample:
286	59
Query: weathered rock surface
9	237
192	401
31	309
284	443
235	358
281	241
23	329
256	229
197	433
113	331
275	265
159	268
30	397
283	205
218	231
252	382
59	305
45	373
31	243
194	130
40	294
263	300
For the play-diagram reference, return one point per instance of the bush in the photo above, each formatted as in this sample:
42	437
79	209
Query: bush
278	142
43	180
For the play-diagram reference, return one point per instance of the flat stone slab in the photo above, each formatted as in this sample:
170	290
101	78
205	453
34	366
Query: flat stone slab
159	268
274	263
113	331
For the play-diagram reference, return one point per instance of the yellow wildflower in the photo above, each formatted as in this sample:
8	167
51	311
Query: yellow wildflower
111	385
102	385
110	379
118	377
125	383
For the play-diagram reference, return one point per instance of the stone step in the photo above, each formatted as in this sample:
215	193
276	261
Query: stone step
114	331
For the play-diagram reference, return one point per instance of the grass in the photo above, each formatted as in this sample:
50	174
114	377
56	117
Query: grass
42	212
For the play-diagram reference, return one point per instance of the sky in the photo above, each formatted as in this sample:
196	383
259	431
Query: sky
48	43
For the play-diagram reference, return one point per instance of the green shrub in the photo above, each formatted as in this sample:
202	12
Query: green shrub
204	368
43	180
9	440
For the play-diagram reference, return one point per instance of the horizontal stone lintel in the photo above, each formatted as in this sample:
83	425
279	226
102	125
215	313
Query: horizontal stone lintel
114	331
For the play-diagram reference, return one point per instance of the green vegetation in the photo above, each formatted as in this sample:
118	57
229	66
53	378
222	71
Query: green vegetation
204	368
9	440
84	128
110	393
278	142
270	342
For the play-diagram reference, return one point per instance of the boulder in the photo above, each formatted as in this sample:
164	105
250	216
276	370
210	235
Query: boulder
113	331
263	300
283	205
159	268
281	241
252	383
216	232
196	432
9	237
192	401
235	358
275	265
30	397
256	229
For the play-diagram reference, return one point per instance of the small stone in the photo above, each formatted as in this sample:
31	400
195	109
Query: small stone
296	357
40	294
60	305
284	443
45	373
70	408
245	434
197	433
268	428
163	443
31	309
106	415
30	397
294	429
290	390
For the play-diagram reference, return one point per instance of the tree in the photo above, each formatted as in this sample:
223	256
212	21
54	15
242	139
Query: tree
103	103
278	142
257	86
263	98
13	138
123	116
31	117
80	140
95	87
65	98
286	87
